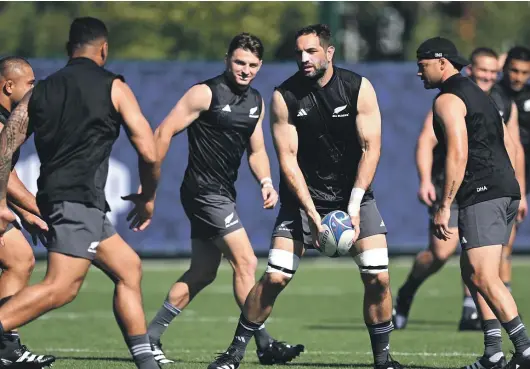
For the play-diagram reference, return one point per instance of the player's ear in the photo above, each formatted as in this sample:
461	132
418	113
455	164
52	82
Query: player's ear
8	87
104	51
330	52
468	70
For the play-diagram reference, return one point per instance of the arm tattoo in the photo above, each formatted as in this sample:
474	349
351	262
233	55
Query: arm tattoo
450	196
11	137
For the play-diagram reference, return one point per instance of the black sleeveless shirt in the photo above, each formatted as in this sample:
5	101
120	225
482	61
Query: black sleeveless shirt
489	173
522	101
504	106
218	138
75	126
328	147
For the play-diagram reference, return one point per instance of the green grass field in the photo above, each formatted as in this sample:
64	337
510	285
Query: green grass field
321	308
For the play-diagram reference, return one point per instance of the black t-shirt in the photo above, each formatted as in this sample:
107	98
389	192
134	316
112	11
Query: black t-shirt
489	173
75	126
218	138
328	147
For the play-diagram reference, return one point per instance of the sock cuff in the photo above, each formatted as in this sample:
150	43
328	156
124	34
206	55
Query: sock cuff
380	328
513	326
172	309
248	324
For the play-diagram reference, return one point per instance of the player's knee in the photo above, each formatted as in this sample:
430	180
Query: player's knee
62	293
440	257
482	280
373	261
133	277
21	264
201	277
246	265
376	284
276	280
281	267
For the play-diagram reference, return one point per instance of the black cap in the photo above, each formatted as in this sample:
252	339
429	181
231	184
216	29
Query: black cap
439	47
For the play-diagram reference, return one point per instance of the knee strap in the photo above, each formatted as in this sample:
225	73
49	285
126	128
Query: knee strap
373	261
283	262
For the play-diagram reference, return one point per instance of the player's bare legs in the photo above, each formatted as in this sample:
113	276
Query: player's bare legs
506	260
284	259
427	263
495	303
17	262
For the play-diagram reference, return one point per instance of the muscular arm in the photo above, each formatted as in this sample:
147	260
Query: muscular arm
369	135
424	149
258	159
12	136
512	126
19	197
452	111
140	135
187	109
285	140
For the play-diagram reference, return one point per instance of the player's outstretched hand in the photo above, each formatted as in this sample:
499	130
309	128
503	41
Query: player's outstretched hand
270	197
427	193
35	226
140	216
6	217
315	225
441	224
523	209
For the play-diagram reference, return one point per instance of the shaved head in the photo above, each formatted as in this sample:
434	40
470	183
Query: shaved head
16	79
13	66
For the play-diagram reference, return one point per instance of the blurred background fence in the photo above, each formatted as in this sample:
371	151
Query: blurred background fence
162	48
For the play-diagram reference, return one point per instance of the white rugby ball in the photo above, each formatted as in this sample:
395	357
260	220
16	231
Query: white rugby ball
337	238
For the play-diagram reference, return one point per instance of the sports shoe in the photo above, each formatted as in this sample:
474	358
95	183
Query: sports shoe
390	364
279	353
159	355
22	357
227	360
484	363
470	323
400	313
518	361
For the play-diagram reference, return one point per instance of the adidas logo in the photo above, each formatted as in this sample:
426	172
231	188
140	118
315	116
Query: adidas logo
382	224
338	110
252	113
301	113
228	220
227	108
463	240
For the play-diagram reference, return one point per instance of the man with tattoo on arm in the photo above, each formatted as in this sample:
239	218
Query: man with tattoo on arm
16	256
480	158
76	115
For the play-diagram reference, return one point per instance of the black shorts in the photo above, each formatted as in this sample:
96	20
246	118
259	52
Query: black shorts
292	223
487	223
211	216
75	228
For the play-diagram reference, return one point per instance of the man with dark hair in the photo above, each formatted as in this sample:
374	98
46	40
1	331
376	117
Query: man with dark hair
76	115
223	116
514	83
326	128
479	174
430	162
16	256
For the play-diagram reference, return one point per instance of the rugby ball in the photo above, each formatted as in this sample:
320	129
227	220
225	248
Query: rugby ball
337	238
